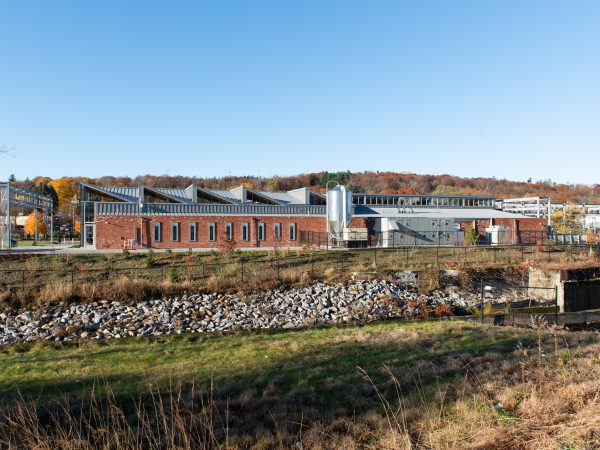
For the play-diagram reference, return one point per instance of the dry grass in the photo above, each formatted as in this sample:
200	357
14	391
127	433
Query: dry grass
541	395
45	276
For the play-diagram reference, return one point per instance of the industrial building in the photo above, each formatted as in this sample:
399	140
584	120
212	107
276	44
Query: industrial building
197	217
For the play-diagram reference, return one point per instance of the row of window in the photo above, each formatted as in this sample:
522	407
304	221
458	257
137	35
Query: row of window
229	231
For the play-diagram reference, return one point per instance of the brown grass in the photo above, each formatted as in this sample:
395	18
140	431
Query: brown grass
543	397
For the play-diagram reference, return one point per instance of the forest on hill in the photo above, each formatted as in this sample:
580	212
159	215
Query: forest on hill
368	182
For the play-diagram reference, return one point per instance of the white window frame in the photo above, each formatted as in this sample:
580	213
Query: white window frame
261	231
292	230
175	232
157	231
193	231
245	231
212	231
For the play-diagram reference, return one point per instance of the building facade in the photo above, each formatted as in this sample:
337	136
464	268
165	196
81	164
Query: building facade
196	217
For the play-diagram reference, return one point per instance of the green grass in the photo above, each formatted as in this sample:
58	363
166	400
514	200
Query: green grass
29	243
329	387
287	360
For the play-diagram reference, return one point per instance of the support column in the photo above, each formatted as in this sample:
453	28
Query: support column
35	235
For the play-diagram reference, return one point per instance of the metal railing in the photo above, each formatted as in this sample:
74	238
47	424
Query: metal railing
442	238
133	209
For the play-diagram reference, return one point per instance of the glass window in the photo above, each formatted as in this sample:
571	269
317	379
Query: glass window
175	231
277	231
229	230
261	231
193	232
157	229
245	231
292	231
212	231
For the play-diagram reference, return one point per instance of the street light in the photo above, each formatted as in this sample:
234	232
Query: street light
74	203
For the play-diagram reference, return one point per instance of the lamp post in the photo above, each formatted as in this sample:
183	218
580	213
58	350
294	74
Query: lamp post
74	203
141	224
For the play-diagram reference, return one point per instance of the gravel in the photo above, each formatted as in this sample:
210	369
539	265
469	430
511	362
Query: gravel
356	302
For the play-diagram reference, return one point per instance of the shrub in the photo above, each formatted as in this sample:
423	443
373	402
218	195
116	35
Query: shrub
443	310
150	261
471	236
227	246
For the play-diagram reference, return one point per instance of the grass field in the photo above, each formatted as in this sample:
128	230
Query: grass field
389	385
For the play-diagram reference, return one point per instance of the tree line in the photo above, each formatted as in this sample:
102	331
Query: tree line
65	188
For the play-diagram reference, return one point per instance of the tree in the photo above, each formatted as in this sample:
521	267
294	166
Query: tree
64	191
471	236
30	224
12	178
569	223
46	189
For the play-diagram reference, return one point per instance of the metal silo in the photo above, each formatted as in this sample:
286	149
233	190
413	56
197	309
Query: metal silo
339	210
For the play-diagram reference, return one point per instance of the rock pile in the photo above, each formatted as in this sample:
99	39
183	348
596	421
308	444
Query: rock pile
359	301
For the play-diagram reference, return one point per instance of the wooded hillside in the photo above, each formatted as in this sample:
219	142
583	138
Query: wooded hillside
368	182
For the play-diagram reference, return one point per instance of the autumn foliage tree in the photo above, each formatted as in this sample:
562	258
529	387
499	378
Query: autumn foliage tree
64	191
30	224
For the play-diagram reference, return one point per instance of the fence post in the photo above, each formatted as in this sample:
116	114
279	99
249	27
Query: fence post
242	270
72	276
277	261
556	305
375	256
23	280
522	253
437	256
481	301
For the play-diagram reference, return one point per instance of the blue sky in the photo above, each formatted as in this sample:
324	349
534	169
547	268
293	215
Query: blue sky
472	88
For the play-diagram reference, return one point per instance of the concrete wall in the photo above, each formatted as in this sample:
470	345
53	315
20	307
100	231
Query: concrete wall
577	289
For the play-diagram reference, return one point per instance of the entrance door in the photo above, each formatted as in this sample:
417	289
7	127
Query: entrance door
89	236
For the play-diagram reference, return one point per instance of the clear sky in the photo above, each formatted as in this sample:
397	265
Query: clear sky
472	88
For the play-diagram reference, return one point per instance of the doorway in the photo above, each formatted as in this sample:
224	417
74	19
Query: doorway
89	236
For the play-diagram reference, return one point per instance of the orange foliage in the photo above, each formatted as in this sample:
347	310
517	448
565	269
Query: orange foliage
30	224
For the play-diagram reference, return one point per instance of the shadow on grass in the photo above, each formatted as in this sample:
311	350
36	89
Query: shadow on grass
277	386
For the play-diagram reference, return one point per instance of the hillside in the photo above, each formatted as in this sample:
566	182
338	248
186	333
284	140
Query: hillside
368	182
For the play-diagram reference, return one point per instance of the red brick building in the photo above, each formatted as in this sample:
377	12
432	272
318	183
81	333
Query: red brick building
195	217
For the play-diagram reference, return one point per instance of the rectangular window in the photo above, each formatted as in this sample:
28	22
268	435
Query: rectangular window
157	229
138	236
175	231
229	230
245	231
277	231
261	231
212	231
292	231
193	231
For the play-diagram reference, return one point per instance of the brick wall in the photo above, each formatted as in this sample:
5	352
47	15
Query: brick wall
114	231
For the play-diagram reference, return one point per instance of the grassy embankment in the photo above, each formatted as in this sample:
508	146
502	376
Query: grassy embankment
40	279
394	385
